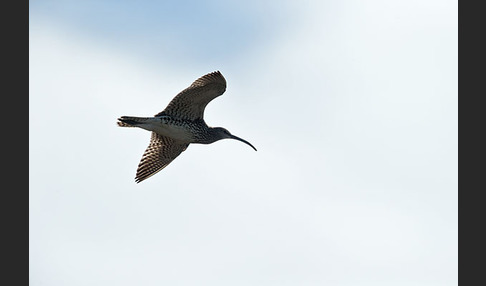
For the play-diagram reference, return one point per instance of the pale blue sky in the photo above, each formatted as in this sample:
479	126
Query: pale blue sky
352	106
181	32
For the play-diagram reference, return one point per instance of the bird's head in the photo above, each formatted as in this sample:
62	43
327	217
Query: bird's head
221	133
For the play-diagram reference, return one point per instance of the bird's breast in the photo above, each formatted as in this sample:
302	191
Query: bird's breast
176	129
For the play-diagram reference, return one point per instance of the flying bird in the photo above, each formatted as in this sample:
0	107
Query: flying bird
180	124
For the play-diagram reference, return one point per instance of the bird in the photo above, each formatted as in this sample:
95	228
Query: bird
180	124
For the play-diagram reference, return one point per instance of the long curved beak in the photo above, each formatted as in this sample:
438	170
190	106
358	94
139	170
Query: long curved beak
242	140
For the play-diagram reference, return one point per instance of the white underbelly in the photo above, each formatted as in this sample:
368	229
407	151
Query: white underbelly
179	133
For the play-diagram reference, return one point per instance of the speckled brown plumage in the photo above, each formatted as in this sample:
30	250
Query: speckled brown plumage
190	103
179	124
161	151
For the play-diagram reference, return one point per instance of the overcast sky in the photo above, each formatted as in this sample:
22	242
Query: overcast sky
352	106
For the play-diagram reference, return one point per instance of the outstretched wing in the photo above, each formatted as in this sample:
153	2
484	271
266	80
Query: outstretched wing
189	104
161	151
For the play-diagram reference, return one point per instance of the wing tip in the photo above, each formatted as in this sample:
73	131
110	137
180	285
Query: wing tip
212	77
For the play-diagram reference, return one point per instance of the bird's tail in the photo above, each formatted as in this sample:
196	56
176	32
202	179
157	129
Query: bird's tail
131	121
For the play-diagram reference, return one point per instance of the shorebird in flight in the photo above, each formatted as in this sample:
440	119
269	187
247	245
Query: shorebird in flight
179	124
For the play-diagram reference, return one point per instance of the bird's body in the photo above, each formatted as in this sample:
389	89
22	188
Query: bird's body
179	124
178	129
